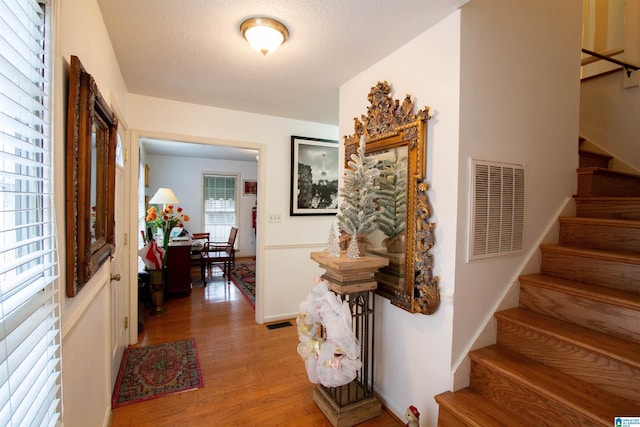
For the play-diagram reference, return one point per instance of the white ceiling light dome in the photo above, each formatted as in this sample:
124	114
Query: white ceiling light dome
264	34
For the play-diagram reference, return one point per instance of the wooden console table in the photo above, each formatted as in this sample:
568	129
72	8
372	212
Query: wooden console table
178	268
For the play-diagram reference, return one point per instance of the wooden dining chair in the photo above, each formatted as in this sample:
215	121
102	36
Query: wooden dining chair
198	241
219	253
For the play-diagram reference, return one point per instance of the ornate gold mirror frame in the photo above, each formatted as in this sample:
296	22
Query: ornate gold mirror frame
390	125
90	162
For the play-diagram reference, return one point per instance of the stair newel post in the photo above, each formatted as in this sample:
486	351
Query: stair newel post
353	280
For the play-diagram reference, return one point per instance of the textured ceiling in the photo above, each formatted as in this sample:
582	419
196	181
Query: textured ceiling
192	50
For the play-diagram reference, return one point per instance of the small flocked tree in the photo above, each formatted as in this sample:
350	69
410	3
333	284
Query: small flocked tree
333	243
353	251
392	196
357	213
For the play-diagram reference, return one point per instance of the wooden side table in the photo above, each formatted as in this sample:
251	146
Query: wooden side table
178	268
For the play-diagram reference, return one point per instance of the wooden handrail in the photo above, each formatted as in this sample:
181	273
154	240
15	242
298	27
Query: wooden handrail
628	67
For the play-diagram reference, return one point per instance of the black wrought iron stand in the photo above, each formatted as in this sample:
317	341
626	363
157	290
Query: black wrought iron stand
353	280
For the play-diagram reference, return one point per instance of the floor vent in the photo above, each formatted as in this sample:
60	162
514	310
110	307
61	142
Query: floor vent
279	325
497	209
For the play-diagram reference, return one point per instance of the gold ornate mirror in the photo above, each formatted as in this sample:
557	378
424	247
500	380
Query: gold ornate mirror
396	136
90	162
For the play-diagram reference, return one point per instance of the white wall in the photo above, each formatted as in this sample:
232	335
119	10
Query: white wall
86	320
284	247
184	176
519	104
413	351
606	109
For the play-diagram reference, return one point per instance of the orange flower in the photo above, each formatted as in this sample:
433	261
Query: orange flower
152	214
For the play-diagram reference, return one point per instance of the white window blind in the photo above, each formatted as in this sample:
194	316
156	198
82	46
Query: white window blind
29	311
219	194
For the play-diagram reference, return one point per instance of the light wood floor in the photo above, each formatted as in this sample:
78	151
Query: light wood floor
253	376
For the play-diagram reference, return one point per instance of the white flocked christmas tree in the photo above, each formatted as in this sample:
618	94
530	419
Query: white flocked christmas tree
392	196
357	213
333	243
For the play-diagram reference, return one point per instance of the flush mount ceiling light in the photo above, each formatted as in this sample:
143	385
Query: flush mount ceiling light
264	34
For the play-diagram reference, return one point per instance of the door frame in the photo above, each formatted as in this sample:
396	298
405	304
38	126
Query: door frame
134	157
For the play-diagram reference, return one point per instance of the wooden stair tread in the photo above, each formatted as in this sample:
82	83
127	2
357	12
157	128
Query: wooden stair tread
612	222
599	181
602	294
475	409
615	256
587	158
622	207
594	154
615	348
604	171
606	234
607	199
584	398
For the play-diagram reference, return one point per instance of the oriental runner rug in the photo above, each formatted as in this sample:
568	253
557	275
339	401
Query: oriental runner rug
243	275
157	370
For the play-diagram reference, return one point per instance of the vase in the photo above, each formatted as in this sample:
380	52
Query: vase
165	240
395	245
363	242
157	291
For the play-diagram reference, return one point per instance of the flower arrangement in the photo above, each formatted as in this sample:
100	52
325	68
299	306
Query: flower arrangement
165	220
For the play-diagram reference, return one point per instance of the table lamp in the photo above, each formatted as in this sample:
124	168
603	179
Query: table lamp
164	196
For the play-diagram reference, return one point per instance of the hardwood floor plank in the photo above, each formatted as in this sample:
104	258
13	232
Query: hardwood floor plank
253	375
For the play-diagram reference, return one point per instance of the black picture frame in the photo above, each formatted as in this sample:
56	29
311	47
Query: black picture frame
314	176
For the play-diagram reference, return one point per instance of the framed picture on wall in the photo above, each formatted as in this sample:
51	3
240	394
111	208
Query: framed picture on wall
146	175
314	176
250	187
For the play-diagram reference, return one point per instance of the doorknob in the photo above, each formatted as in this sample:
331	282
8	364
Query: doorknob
115	277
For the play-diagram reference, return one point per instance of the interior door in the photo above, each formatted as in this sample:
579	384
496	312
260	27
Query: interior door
120	277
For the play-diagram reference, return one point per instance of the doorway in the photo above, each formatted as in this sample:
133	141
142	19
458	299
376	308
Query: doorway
180	164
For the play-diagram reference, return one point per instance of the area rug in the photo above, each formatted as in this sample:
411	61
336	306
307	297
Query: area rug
157	370
243	275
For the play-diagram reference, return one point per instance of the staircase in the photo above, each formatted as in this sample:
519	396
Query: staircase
570	353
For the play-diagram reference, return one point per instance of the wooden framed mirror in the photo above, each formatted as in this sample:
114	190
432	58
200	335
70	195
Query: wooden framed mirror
90	162
396	136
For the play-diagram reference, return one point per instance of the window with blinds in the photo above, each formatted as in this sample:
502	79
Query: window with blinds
29	310
220	205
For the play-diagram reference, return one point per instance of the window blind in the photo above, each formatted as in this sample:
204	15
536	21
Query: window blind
219	195
29	311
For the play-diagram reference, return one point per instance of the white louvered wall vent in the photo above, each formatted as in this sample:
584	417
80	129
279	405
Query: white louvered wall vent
497	209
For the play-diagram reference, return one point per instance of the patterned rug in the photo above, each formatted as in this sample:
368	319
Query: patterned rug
157	370
243	276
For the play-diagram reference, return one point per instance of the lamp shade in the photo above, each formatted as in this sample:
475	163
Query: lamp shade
164	196
264	34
